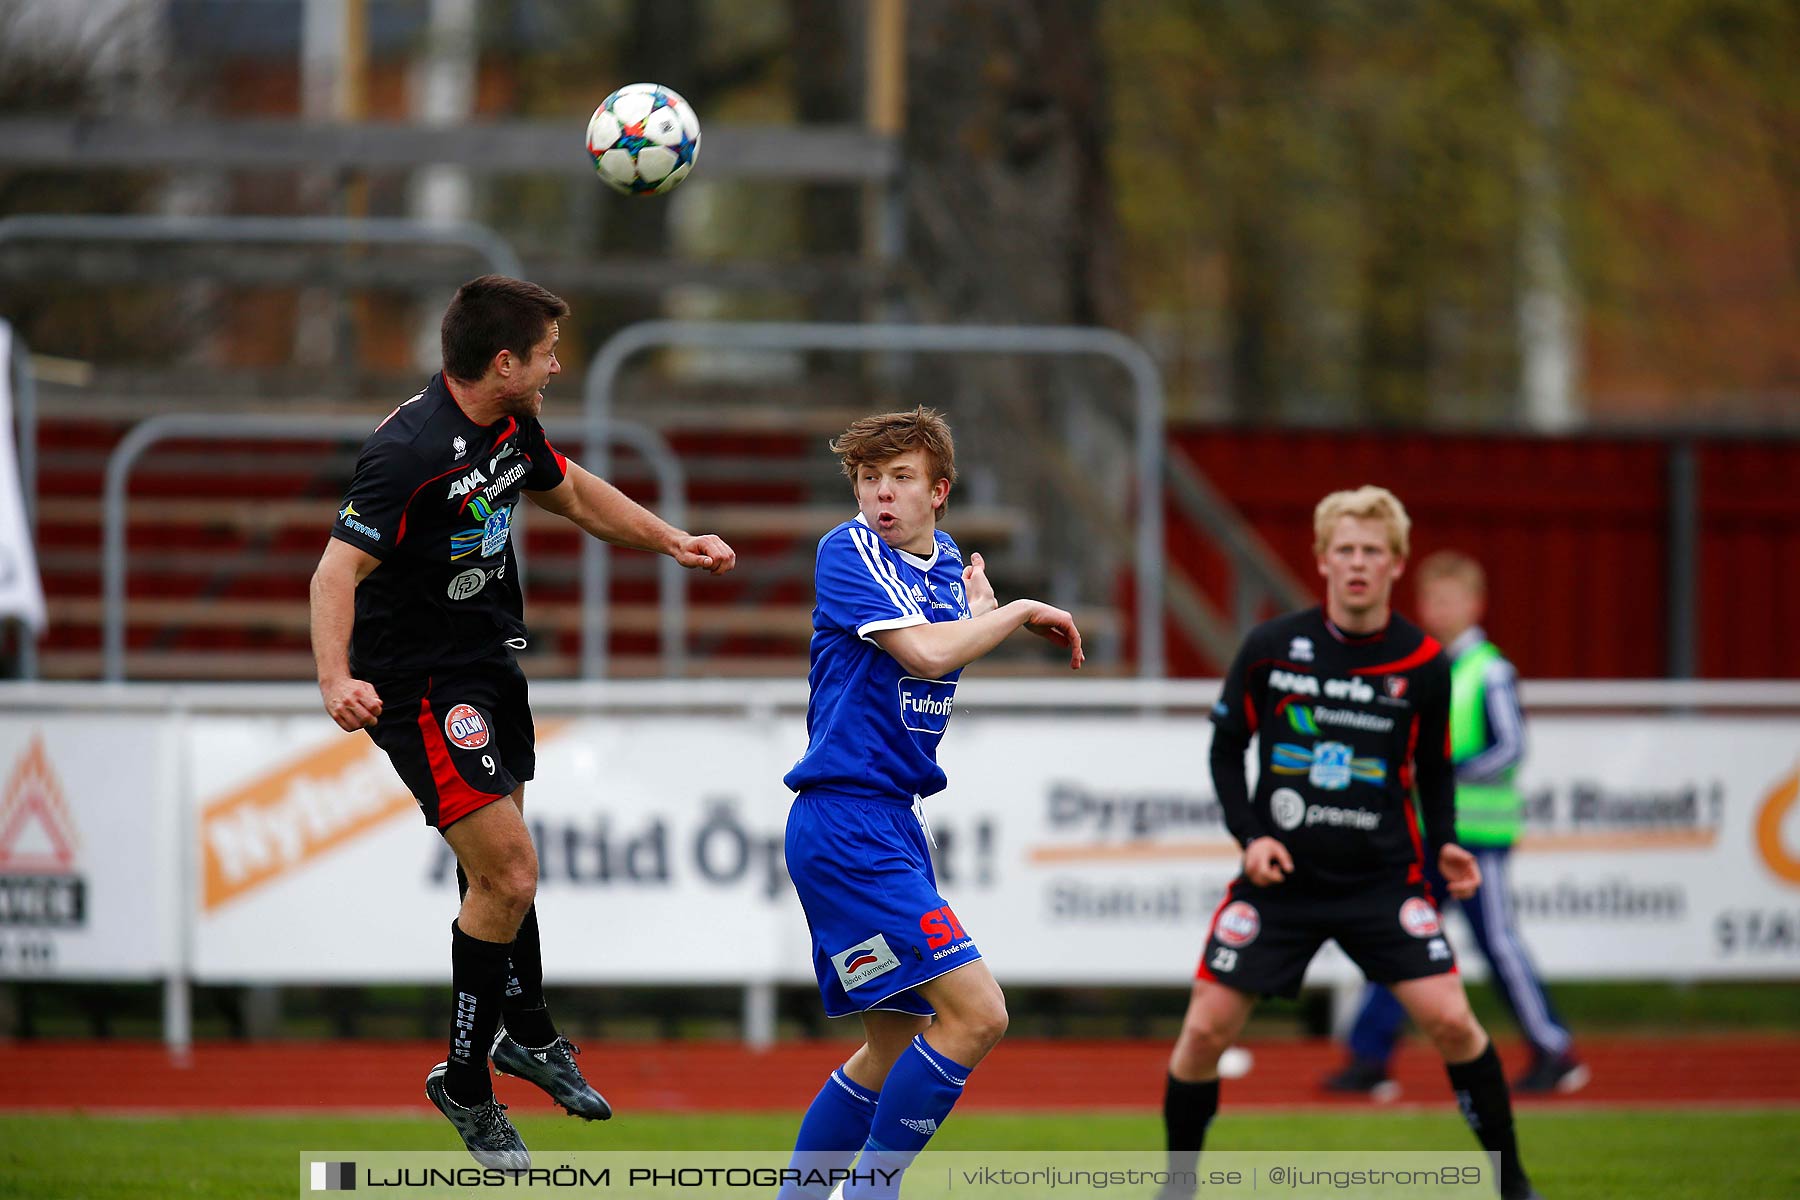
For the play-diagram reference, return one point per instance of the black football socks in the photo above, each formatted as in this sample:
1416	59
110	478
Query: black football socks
1188	1108
1486	1105
478	973
527	1020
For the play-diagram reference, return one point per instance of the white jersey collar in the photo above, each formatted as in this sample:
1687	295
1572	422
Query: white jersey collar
907	556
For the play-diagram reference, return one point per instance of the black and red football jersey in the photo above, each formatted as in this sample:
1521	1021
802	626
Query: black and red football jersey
1347	728
433	498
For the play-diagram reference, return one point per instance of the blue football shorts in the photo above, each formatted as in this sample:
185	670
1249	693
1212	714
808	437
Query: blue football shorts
880	928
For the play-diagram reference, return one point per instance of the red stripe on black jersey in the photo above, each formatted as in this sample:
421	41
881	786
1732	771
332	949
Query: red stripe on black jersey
400	534
1418	658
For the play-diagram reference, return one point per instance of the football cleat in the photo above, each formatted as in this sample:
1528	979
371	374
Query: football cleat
553	1069
490	1137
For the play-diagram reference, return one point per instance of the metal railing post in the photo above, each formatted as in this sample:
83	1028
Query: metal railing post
1683	564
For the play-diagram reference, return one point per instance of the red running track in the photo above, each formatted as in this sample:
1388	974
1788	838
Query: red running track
1728	1070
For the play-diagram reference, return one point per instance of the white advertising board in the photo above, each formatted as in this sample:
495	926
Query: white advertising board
659	844
1079	850
89	841
1094	850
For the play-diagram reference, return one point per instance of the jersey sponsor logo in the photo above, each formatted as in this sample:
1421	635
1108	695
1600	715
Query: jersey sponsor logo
1396	686
460	445
348	515
507	478
490	538
1300	718
1301	684
1293	681
1347	718
468	583
1419	918
953	948
494	533
1238	924
1328	766
466	484
1303	719
1339	818
466	727
940	928
864	961
1287	808
503	451
1330	770
1300	649
925	704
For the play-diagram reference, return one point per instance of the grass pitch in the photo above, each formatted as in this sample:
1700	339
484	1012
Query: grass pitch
1574	1155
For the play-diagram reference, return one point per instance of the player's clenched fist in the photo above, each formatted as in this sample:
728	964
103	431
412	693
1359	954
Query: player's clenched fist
352	703
1267	862
708	553
1462	874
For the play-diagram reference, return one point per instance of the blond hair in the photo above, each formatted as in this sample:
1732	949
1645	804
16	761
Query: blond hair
1367	503
1451	564
877	439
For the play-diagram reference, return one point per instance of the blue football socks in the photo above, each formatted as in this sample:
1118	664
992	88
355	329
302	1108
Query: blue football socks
920	1091
833	1130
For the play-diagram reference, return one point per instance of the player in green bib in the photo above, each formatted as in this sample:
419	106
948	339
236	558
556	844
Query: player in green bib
1487	741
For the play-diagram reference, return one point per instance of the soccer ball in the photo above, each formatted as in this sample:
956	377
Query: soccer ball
643	138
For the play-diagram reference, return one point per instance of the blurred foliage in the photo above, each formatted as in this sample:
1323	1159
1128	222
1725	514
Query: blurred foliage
1313	210
1322	198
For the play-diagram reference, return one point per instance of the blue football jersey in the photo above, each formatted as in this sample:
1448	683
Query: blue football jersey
872	729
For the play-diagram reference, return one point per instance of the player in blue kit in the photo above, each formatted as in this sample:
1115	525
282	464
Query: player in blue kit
898	616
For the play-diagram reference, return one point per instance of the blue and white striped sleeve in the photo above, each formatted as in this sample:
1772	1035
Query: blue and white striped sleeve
859	589
1506	728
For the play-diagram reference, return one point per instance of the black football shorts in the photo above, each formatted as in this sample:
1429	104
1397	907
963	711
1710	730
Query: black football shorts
460	738
1262	938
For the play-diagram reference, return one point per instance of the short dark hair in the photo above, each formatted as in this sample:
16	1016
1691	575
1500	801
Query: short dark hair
492	314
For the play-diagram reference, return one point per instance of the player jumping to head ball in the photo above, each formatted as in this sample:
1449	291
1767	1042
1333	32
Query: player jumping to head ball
416	611
1350	706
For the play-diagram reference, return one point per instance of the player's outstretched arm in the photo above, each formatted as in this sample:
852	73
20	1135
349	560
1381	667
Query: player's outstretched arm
933	650
610	515
352	703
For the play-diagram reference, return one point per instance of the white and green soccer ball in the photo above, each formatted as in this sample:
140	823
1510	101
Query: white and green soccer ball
643	139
